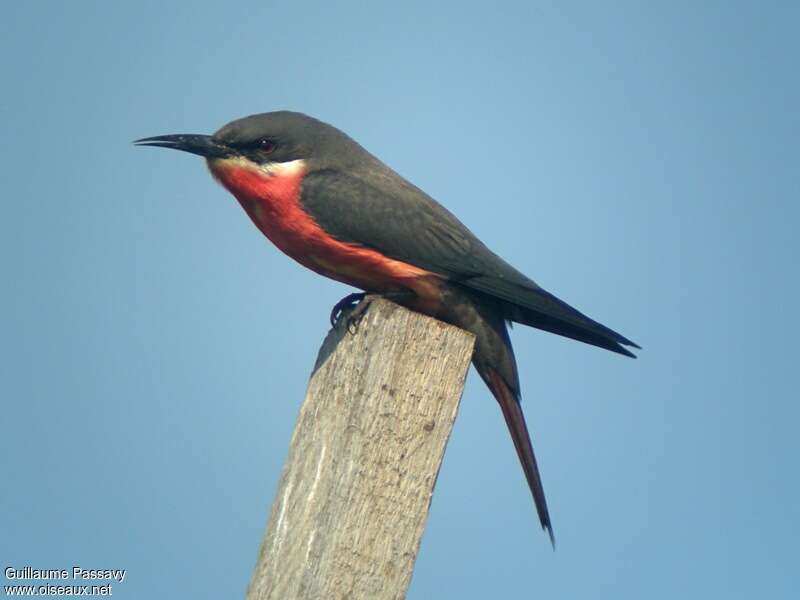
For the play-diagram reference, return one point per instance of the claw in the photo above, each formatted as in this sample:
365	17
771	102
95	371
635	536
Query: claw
352	325
355	316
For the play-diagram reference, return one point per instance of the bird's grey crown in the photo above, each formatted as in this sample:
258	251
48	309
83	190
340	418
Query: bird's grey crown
295	135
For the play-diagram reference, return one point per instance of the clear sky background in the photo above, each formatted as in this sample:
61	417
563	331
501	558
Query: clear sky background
640	160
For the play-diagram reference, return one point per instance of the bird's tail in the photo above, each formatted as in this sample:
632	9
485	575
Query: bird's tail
543	310
512	411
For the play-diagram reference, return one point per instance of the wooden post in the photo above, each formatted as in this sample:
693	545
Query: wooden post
366	450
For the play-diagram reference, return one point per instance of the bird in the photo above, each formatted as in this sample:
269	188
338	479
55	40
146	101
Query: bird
335	208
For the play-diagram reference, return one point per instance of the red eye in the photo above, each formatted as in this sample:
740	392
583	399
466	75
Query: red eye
266	145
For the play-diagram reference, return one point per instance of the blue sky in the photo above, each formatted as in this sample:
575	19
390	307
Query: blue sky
640	160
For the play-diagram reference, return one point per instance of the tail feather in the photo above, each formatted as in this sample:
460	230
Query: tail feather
512	411
582	329
527	303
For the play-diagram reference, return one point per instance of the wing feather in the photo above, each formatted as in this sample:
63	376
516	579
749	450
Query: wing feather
408	225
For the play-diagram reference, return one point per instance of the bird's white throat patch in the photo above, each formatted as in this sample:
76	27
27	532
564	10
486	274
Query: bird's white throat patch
291	167
273	169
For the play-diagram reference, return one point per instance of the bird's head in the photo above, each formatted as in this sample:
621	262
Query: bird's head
266	145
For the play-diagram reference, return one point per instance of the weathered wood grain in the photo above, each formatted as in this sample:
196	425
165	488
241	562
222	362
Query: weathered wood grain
366	450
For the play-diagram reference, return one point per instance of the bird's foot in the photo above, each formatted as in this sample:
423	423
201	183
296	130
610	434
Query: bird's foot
358	311
354	306
342	305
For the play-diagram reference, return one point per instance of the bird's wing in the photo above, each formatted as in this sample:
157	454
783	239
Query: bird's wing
408	225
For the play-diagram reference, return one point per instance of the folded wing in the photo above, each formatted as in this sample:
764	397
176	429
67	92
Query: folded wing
408	225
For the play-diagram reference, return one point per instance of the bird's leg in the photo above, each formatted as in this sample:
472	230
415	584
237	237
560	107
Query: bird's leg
341	305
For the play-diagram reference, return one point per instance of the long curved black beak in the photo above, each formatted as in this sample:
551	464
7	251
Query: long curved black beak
202	145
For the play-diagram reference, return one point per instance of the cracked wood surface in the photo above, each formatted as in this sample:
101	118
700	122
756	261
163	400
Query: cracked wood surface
356	487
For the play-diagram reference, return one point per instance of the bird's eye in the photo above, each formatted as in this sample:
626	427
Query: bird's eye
266	145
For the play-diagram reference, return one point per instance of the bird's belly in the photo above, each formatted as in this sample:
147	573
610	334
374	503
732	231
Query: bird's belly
307	243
